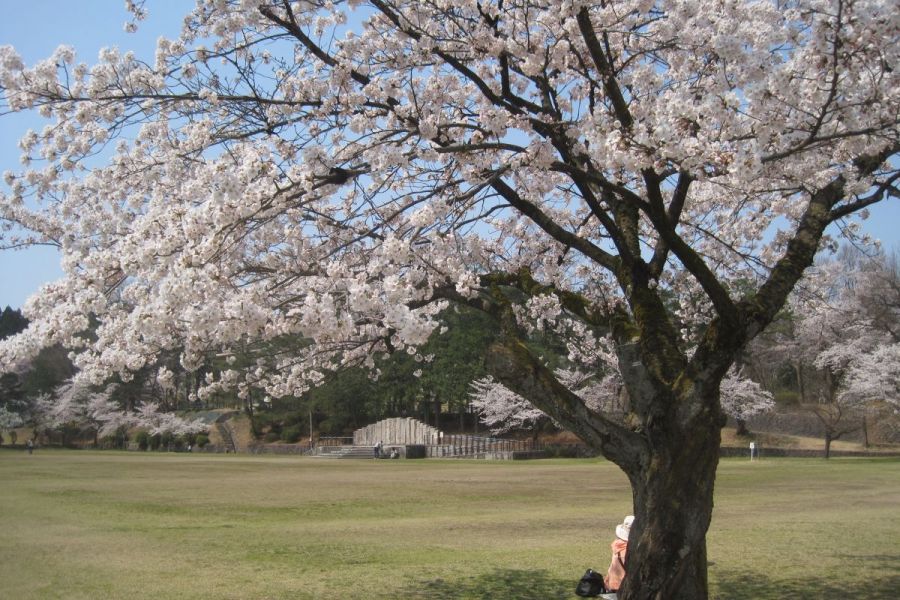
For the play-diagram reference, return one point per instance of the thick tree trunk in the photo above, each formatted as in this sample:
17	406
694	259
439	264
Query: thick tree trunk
668	445
673	501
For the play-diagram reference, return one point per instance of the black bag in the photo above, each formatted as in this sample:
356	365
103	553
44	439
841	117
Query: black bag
591	585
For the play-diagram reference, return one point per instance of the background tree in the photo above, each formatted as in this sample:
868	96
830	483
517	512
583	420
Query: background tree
24	383
338	173
11	322
502	410
831	336
743	398
12	397
860	358
845	318
428	384
875	377
12	404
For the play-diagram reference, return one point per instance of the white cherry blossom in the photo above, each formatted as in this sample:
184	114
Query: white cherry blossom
331	174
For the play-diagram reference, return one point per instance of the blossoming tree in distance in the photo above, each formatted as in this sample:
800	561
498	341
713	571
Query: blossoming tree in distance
849	337
338	172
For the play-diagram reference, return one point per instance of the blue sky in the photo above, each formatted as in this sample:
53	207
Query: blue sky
37	27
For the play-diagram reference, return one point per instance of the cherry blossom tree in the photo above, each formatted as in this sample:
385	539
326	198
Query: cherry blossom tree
501	409
860	359
834	335
338	172
844	325
872	377
9	420
76	404
58	409
876	376
743	398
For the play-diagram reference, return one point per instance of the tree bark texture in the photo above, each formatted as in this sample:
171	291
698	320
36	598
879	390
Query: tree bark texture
673	501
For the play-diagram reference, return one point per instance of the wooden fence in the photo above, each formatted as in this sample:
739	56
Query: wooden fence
473	445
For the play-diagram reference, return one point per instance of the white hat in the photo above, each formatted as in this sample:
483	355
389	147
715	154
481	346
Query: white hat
624	528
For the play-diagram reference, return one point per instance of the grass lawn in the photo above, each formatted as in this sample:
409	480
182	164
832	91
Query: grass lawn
80	524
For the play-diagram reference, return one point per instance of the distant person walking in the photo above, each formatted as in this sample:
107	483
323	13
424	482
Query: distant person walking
619	546
29	446
378	449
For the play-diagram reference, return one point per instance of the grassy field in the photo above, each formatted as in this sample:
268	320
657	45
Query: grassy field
79	524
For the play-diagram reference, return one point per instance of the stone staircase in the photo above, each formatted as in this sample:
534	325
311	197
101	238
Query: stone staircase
225	431
345	452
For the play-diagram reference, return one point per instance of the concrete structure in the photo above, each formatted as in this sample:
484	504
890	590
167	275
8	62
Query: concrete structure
399	431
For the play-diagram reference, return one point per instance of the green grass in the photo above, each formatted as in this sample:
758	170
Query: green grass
125	525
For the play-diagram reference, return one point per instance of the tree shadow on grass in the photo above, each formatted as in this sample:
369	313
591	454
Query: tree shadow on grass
520	584
750	585
501	583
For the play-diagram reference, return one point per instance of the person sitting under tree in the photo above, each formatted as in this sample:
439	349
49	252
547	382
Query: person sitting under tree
616	572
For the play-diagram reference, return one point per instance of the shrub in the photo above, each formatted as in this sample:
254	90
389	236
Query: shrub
295	418
143	440
291	435
787	398
166	441
202	440
271	437
155	441
258	423
568	451
330	427
416	451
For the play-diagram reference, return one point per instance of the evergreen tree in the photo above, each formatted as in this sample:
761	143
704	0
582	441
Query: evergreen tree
11	322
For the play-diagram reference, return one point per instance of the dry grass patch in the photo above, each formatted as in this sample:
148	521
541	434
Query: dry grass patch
80	524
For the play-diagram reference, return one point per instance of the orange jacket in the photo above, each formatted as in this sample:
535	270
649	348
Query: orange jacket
616	572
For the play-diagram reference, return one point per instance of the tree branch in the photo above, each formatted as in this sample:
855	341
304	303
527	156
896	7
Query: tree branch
676	206
598	55
693	262
512	364
564	237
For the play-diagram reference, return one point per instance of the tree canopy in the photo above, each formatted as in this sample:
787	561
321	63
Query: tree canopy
659	172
